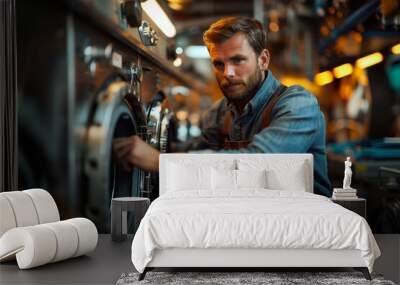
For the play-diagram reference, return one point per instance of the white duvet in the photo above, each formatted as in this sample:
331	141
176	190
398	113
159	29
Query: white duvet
253	218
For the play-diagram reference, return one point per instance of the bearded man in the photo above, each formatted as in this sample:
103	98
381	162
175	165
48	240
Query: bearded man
257	113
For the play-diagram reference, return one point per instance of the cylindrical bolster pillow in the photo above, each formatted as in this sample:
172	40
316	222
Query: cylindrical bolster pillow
7	218
23	208
87	234
26	208
33	246
67	240
45	205
41	244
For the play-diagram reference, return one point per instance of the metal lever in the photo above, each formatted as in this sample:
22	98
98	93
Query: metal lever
135	73
148	34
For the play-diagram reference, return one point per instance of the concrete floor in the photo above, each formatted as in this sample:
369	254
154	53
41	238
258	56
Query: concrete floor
389	262
110	260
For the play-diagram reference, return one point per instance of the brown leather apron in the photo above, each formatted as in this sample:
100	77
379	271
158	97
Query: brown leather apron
236	144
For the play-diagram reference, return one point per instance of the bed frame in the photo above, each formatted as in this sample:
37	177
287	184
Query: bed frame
241	259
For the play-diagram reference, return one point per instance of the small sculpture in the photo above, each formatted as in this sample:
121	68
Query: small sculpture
347	174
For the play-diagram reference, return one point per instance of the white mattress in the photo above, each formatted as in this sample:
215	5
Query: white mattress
252	218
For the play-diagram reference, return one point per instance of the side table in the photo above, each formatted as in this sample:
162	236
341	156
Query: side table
357	205
119	208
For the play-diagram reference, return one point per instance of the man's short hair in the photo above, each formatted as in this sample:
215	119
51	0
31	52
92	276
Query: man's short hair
226	28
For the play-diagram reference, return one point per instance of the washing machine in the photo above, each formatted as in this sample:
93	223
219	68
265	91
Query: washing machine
83	81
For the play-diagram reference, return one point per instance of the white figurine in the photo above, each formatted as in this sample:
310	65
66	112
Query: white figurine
347	174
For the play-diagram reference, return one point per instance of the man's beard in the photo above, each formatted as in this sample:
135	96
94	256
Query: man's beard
244	96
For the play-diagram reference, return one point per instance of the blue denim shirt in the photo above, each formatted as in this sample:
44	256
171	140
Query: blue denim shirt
297	125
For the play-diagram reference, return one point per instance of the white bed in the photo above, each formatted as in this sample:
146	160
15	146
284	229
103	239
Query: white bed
202	220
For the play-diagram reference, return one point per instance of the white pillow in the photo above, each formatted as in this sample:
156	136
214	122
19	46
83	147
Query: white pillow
182	177
293	180
282	174
223	179
190	174
251	178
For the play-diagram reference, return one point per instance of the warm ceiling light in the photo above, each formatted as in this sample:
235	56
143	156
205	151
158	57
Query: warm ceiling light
182	115
157	14
274	27
175	6
323	78
197	52
396	49
343	70
369	60
178	62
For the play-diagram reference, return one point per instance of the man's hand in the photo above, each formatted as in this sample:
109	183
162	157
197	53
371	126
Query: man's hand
133	151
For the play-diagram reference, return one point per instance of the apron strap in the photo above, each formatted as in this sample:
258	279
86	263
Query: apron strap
266	114
271	104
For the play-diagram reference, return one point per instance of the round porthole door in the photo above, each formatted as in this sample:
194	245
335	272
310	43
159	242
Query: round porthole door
113	117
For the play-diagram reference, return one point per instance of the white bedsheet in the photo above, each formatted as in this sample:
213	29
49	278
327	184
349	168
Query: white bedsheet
252	218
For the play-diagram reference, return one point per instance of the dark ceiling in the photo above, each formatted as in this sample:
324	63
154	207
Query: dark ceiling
309	33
